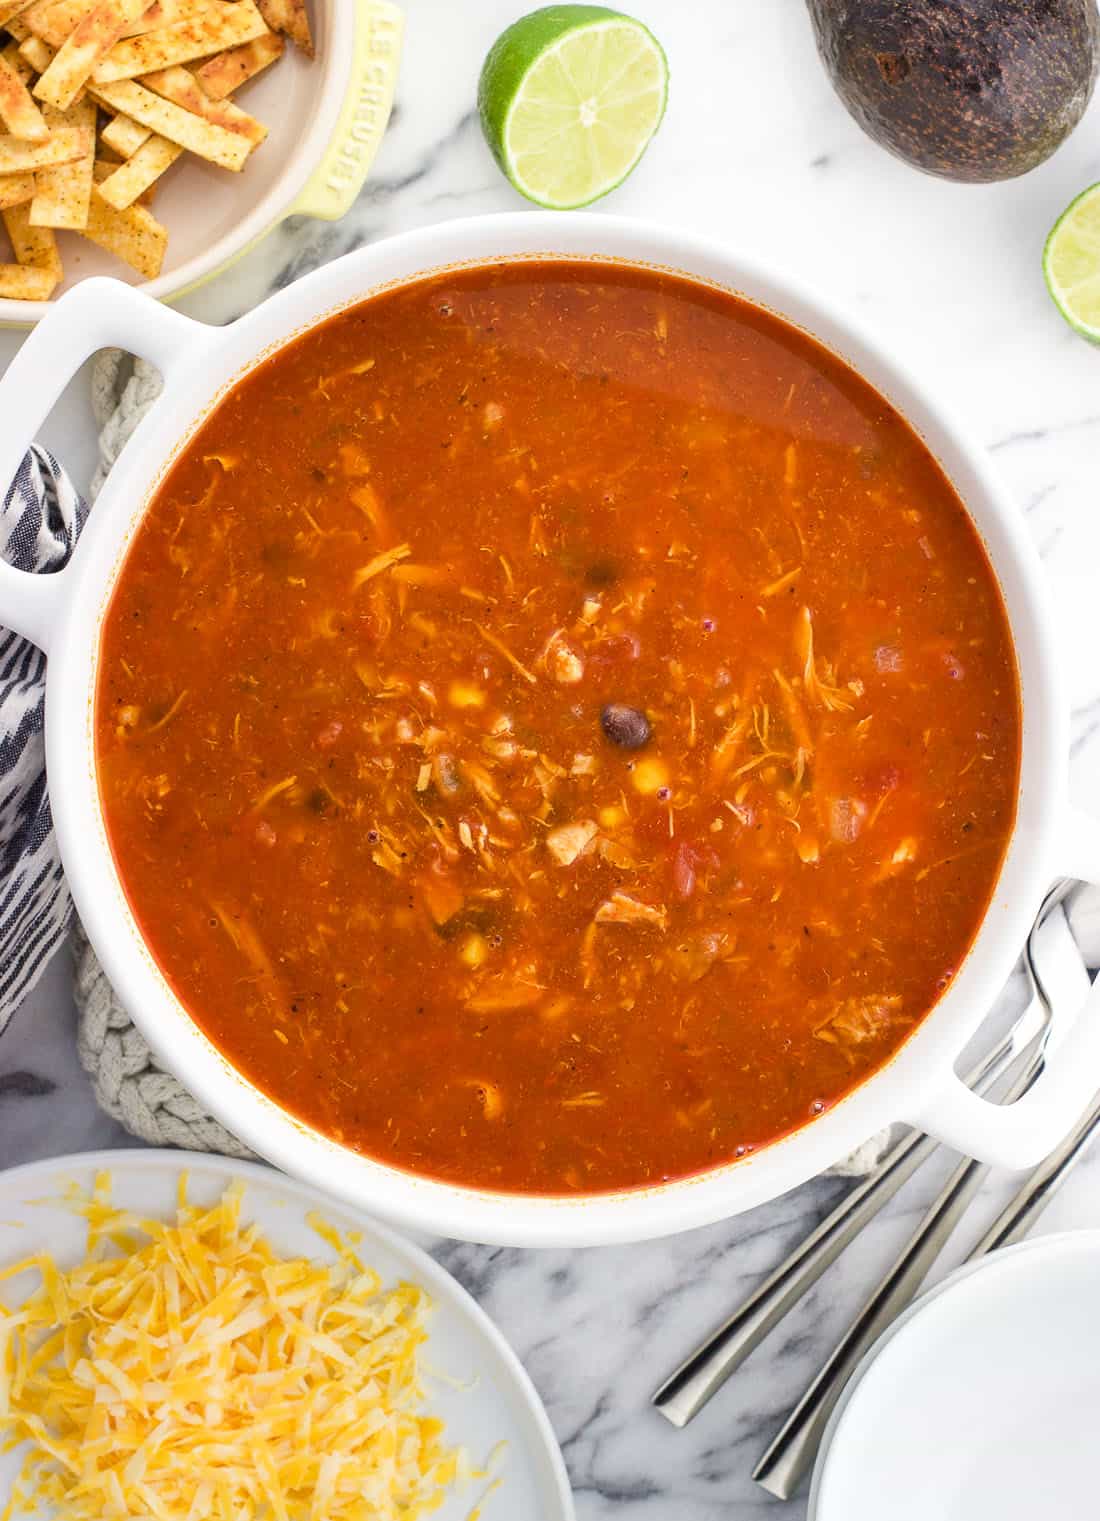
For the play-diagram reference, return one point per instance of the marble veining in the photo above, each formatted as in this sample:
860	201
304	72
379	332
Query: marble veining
756	150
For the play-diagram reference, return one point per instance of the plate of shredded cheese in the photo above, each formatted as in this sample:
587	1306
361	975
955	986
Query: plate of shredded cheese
216	1341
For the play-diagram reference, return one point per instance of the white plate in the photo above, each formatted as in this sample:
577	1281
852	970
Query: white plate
502	1406
981	1403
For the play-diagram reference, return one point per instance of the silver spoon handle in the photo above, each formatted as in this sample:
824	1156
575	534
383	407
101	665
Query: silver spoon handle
1023	1210
684	1393
1060	982
783	1467
791	1455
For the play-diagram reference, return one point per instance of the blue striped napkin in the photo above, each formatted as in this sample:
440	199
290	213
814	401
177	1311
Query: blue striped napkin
39	523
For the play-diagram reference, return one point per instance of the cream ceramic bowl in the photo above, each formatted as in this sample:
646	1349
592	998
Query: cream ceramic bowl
325	118
63	614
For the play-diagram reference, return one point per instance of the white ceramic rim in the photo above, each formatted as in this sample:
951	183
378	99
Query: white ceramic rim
443	1286
917	1085
1054	1245
334	64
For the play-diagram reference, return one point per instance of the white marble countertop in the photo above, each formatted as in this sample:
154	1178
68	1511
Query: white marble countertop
755	149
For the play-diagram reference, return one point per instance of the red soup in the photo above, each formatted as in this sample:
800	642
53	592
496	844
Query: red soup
558	728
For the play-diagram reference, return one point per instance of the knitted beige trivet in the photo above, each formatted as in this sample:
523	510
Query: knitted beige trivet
144	1099
128	1083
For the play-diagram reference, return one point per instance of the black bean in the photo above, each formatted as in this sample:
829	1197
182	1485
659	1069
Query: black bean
625	726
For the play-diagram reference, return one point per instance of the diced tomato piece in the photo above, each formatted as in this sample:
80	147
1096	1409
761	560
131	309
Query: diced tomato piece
613	652
689	861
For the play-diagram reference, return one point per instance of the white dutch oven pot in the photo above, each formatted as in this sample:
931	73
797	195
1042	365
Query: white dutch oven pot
63	614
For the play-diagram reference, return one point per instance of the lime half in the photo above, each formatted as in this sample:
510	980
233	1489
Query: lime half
569	99
1071	263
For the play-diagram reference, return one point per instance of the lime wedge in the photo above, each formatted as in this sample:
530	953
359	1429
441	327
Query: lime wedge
569	98
1071	263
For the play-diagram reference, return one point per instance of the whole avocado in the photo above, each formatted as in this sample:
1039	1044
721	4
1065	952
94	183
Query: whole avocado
967	89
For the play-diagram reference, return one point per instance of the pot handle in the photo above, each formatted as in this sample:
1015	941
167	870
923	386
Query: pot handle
1021	1134
333	186
96	314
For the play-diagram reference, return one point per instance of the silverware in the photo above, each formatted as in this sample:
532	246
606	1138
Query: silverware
684	1393
1060	984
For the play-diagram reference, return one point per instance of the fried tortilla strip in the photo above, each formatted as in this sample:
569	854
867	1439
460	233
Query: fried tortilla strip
229	149
124	135
32	246
289	16
16	189
223	25
17	29
18	111
165	13
64	146
18	63
139	173
106	166
133	235
221	75
54	21
20	282
9	9
182	88
36	53
38	8
62	194
216	78
82	50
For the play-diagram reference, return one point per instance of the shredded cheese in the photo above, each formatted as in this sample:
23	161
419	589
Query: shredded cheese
185	1371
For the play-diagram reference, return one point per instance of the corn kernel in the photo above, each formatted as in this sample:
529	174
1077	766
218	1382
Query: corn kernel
474	950
650	775
613	816
463	694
